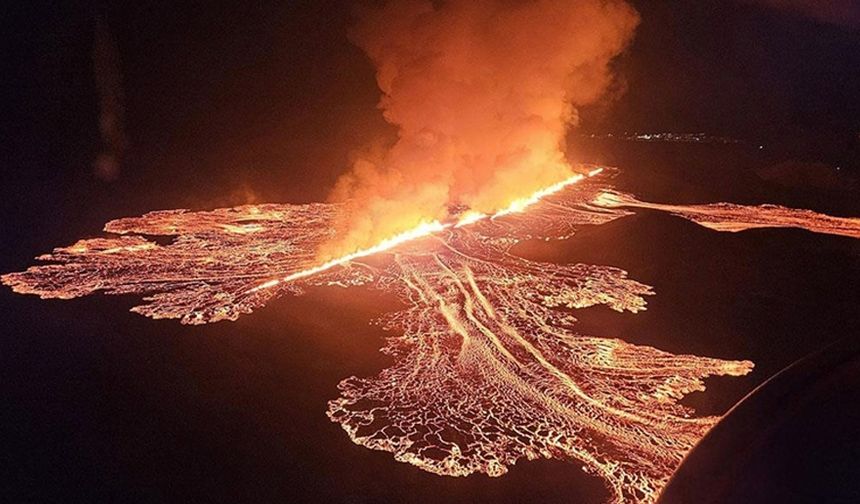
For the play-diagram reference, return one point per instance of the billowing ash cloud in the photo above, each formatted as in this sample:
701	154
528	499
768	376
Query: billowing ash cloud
482	92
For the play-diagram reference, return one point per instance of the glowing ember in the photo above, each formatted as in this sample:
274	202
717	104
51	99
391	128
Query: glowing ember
489	368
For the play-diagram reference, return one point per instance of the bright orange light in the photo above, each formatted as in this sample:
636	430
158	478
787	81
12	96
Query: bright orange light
470	217
521	204
423	229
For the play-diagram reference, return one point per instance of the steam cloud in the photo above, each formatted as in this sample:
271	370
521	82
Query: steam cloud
482	93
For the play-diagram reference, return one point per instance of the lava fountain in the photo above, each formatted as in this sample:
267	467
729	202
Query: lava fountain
489	367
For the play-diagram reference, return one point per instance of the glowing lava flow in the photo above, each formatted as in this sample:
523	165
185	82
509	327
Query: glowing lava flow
734	218
520	205
419	231
488	365
425	229
523	203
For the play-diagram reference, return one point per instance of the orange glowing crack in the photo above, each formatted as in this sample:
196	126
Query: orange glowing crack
424	229
521	204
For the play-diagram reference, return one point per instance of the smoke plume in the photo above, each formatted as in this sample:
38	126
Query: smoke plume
482	93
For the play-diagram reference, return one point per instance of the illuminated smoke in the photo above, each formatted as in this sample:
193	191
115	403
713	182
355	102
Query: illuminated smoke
108	79
482	93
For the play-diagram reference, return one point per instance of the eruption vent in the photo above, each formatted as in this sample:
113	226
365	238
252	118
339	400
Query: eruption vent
481	92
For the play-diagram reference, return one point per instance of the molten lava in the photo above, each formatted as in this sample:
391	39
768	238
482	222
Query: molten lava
489	367
420	231
734	218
